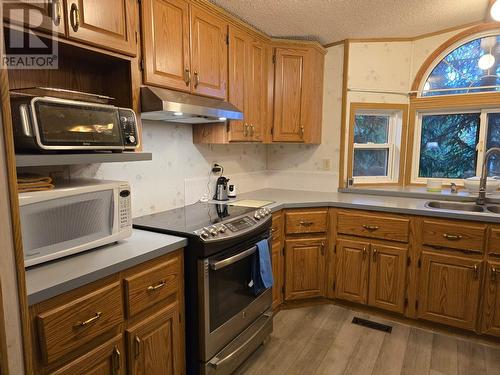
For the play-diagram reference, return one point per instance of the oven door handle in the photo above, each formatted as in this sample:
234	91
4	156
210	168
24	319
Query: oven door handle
231	260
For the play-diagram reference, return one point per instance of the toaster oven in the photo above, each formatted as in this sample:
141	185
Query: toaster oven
74	218
44	123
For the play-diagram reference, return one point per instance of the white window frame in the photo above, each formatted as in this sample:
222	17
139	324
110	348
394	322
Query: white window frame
480	147
393	145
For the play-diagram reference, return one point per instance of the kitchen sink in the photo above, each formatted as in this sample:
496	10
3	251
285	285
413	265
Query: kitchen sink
455	206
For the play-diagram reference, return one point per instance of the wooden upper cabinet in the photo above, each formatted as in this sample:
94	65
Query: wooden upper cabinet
305	260
107	359
165	41
155	344
110	24
257	98
239	90
387	277
449	289
47	16
208	54
491	300
352	270
289	95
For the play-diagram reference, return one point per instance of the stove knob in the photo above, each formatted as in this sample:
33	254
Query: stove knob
204	234
257	216
213	232
222	229
130	139
123	119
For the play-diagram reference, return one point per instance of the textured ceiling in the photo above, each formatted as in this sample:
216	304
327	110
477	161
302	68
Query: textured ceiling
333	20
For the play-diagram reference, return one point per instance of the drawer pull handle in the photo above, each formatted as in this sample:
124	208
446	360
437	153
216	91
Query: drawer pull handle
306	223
187	76
137	344
154	288
56	12
452	237
322	248
475	269
196	79
364	252
116	361
370	228
97	316
494	272
375	252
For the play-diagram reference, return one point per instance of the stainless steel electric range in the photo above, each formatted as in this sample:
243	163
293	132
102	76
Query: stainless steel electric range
225	320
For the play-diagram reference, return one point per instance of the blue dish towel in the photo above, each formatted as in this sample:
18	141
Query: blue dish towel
262	272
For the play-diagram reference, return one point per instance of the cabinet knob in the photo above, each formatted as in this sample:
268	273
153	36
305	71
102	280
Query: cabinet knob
375	252
301	131
364	252
245	130
116	361
494	272
187	76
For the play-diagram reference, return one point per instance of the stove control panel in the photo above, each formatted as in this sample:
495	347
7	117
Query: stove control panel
234	227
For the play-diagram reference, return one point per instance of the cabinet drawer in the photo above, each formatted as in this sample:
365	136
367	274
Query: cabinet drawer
306	221
494	242
67	327
147	288
373	226
453	235
277	226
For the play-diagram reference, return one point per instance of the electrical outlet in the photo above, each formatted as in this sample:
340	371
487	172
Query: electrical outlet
327	164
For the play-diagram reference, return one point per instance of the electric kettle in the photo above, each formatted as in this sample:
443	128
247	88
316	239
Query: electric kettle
221	189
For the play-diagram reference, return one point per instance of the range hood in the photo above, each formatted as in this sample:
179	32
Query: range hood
172	106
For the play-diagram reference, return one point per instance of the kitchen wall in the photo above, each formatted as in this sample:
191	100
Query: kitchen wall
178	173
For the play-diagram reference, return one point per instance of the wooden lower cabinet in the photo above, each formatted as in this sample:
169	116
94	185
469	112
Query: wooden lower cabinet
491	300
153	344
107	359
277	262
305	265
449	289
352	270
387	277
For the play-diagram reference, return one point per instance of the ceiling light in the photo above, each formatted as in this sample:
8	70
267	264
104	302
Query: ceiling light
486	61
178	113
495	11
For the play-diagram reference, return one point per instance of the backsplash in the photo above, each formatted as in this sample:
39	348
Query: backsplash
179	168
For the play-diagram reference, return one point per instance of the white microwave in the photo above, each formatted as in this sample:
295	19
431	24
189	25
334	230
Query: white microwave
74	218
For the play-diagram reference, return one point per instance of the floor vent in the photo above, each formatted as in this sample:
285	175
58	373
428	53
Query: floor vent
371	324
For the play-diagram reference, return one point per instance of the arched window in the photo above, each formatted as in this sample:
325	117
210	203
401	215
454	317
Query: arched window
473	66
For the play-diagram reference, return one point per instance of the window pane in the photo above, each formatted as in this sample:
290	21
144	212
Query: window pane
371	129
493	140
448	145
369	162
465	67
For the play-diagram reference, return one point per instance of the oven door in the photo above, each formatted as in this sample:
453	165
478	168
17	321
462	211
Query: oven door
227	303
61	124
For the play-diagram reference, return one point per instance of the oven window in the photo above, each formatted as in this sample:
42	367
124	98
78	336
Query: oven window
229	291
67	124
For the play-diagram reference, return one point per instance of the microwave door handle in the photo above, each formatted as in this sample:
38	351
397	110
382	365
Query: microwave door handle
113	210
233	259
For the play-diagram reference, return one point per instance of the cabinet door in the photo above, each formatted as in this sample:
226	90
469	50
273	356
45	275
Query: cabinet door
238	82
352	270
46	16
154	345
110	24
165	31
107	359
288	95
208	54
257	70
491	302
387	277
449	289
305	268
277	261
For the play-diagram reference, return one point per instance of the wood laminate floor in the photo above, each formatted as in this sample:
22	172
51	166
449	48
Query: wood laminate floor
322	340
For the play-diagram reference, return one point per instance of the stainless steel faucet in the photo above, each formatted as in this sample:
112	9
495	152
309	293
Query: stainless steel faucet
481	199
